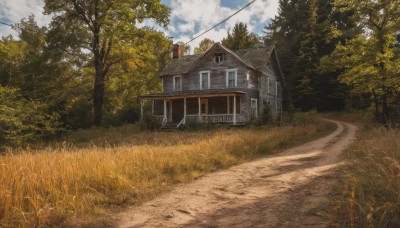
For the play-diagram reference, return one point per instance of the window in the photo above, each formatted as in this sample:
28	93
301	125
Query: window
177	83
254	108
267	82
204	79
219	57
231	78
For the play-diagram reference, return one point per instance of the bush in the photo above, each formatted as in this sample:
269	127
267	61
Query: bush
80	114
23	121
149	122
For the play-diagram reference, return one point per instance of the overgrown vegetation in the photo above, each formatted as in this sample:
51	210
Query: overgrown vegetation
95	171
371	183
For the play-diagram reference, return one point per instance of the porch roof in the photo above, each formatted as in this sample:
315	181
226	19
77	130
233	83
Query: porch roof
194	93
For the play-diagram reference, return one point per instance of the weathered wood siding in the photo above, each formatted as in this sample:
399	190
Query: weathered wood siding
218	71
267	89
257	85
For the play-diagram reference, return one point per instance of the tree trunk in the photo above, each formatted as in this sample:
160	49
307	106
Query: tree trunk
98	87
377	116
98	98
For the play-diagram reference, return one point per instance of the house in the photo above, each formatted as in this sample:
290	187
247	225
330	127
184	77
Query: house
218	86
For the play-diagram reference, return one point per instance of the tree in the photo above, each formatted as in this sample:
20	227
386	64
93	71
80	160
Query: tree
302	36
22	120
204	46
99	27
12	54
371	61
240	38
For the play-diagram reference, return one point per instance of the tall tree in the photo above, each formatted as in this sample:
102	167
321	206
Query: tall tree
301	34
371	60
204	46
240	38
98	26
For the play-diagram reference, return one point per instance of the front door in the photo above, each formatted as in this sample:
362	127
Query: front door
177	110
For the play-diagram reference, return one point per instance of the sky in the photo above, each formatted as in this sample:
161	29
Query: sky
188	17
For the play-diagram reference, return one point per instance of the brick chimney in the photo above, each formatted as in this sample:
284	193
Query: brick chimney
176	51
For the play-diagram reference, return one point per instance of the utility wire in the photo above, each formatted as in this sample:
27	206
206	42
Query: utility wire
5	24
221	22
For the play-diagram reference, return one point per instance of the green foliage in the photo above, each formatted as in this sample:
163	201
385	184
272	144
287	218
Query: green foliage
106	29
23	121
204	46
370	62
149	122
79	114
302	36
240	38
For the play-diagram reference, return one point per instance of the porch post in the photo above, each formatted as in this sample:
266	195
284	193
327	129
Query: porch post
141	108
152	107
227	105
184	109
234	110
199	108
165	109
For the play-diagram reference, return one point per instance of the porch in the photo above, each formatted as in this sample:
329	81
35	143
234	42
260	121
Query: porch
220	108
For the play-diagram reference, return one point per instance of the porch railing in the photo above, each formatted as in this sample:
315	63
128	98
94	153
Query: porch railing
205	118
183	121
213	118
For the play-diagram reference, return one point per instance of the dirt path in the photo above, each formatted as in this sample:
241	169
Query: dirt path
289	189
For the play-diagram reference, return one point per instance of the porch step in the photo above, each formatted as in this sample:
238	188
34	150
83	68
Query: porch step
170	126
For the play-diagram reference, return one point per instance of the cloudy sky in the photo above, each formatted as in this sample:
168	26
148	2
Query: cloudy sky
188	17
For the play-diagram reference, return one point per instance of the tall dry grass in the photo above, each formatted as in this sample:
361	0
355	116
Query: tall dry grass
75	185
371	186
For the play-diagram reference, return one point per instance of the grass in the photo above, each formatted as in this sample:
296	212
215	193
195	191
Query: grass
370	185
93	173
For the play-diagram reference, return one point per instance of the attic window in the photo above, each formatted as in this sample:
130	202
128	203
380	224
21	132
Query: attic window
219	57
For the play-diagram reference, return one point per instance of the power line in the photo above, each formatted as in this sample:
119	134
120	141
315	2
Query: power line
221	22
5	24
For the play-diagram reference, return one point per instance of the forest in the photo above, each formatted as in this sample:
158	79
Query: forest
88	67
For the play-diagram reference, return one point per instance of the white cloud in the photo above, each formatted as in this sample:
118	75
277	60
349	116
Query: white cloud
190	17
15	10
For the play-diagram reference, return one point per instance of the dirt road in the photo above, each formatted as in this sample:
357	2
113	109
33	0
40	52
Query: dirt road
289	189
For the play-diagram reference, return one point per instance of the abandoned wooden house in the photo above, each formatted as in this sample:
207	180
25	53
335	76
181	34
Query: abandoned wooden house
218	86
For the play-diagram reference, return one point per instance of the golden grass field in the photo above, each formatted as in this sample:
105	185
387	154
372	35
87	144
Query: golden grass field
371	183
370	187
78	181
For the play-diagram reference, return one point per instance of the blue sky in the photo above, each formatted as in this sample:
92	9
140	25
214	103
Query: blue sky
188	17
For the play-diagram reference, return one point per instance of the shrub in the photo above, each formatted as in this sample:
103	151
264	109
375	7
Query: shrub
23	121
149	122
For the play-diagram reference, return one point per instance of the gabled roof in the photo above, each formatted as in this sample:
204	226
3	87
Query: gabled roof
252	58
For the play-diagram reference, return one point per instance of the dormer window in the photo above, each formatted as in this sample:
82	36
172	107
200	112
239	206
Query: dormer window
219	57
177	83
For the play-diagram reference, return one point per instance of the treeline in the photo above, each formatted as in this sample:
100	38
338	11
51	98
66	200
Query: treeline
89	65
340	54
85	69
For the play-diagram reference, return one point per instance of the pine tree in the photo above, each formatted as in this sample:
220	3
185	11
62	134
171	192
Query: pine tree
240	38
